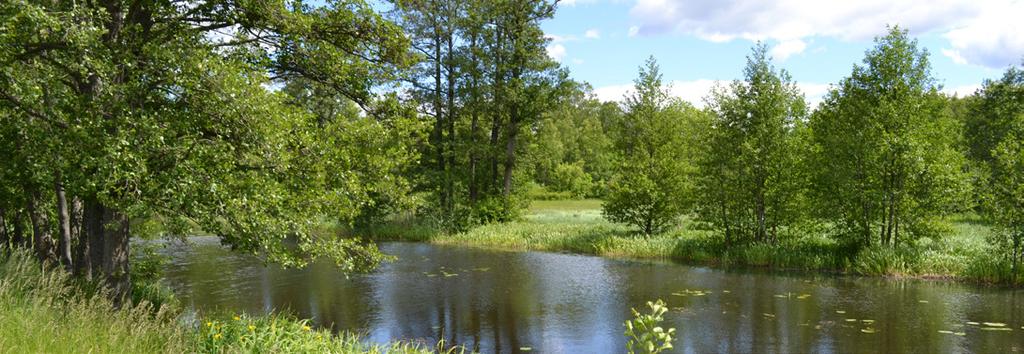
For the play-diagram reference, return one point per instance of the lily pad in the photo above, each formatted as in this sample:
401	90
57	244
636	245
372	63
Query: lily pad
868	330
994	324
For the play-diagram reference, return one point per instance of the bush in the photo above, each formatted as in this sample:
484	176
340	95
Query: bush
535	191
637	200
572	179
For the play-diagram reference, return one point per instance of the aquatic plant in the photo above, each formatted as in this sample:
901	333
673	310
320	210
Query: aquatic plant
644	332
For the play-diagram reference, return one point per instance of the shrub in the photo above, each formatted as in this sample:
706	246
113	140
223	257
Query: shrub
572	179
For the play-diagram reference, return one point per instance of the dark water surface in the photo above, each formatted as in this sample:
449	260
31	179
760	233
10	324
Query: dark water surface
495	301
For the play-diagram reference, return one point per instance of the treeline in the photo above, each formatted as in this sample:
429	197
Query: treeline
879	162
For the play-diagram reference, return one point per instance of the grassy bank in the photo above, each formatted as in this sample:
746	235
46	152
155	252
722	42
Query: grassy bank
48	312
577	226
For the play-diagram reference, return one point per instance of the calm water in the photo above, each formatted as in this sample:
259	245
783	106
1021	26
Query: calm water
555	303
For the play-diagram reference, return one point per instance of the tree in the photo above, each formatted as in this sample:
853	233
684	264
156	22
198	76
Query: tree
884	154
993	134
651	186
484	66
750	181
143	108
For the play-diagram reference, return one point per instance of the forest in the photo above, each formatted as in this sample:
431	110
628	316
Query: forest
299	133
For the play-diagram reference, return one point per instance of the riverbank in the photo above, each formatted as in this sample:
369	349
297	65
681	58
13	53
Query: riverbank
48	312
576	226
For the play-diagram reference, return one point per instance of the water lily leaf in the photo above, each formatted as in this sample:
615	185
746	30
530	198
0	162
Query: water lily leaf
840	312
945	331
525	349
868	330
973	323
994	324
996	329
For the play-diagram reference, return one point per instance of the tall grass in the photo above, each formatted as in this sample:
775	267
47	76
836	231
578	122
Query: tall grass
46	311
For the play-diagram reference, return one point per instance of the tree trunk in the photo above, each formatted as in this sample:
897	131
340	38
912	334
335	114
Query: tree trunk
510	156
64	223
449	179
116	252
18	231
79	235
91	242
499	101
4	230
761	227
474	123
438	134
42	239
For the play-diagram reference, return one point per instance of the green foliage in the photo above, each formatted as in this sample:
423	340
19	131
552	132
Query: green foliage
572	179
995	129
536	191
651	187
283	334
750	178
884	158
45	311
644	333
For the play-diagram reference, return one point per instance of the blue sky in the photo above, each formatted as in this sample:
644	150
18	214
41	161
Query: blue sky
701	42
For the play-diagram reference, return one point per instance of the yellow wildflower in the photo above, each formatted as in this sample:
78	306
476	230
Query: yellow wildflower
209	324
305	328
238	318
252	328
216	336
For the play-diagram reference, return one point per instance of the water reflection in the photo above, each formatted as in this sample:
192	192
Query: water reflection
554	303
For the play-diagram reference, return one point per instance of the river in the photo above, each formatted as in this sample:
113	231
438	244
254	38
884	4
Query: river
502	302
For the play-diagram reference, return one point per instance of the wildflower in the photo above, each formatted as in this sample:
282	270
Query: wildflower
209	324
305	328
238	318
216	336
252	328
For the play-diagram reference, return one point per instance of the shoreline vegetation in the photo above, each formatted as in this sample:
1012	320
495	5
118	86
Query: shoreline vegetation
961	254
45	310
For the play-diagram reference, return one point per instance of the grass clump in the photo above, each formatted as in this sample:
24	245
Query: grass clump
44	311
285	334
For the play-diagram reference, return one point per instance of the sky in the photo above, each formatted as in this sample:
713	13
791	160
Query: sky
699	43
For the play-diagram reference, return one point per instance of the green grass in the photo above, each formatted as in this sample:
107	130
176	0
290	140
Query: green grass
577	226
46	311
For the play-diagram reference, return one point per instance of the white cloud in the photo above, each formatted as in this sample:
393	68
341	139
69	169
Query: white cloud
784	50
571	3
556	52
995	38
961	91
633	31
955	56
695	91
577	61
554	38
592	33
982	32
